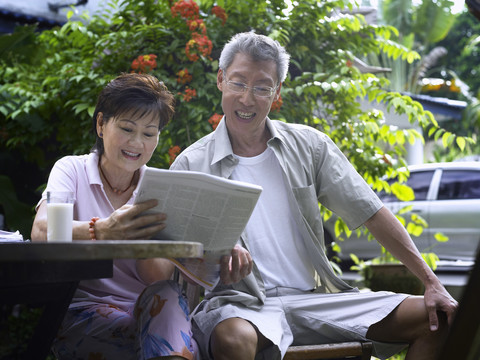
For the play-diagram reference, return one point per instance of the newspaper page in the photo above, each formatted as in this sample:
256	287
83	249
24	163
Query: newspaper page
202	208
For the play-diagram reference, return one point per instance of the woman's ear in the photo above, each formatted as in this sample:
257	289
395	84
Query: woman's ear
100	124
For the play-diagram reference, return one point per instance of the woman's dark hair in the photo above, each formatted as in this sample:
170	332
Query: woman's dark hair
136	94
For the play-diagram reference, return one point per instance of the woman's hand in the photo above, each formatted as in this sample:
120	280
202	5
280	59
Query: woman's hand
129	223
235	267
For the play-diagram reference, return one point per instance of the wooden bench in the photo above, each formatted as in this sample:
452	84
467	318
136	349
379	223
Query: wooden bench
345	350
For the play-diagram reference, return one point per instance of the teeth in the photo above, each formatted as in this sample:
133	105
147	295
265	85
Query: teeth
130	154
245	115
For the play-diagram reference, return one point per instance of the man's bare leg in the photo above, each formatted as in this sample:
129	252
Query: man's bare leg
236	339
409	323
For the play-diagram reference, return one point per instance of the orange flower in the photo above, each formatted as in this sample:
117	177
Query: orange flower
220	13
187	9
189	94
214	120
198	44
173	152
145	63
277	104
197	24
184	76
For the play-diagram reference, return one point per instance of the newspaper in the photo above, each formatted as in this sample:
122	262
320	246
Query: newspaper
202	208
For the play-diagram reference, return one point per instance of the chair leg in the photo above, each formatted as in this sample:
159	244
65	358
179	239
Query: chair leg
367	348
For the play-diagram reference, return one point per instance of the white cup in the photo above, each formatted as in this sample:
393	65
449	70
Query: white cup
59	215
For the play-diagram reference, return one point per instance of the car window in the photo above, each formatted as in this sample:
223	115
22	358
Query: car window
459	184
419	181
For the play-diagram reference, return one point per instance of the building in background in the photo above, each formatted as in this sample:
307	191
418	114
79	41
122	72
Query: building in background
45	13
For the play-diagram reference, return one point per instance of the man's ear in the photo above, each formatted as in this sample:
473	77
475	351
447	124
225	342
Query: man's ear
277	92
100	124
220	79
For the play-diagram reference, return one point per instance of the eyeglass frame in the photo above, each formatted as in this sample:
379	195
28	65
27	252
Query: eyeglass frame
245	87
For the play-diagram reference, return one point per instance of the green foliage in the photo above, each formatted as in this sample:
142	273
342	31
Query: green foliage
46	105
462	68
462	42
15	210
420	24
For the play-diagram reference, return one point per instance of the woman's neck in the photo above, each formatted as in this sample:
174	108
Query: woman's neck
116	184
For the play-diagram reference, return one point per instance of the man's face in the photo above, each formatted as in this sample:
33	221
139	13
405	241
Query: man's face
246	112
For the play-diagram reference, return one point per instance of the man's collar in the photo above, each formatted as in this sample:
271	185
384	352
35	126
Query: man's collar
223	147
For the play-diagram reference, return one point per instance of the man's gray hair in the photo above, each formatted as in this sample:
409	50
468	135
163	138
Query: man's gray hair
259	48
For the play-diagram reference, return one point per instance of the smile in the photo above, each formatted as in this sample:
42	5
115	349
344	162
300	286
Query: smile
130	154
245	115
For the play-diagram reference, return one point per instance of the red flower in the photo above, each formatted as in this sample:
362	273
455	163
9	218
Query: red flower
198	44
197	24
173	152
184	76
220	13
214	120
144	63
187	9
277	104
189	94
349	63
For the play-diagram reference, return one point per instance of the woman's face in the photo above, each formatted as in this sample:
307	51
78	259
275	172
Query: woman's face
129	142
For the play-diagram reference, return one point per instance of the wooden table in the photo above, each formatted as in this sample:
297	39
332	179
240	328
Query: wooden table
48	273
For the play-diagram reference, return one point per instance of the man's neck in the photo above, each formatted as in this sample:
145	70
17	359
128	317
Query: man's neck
251	144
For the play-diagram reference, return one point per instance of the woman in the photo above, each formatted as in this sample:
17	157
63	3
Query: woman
112	318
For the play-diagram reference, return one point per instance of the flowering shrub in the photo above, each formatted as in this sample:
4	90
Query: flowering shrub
189	94
184	76
144	63
214	120
173	152
48	93
220	13
277	104
197	25
187	9
199	45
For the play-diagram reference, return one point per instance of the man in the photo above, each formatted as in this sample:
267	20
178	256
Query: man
280	302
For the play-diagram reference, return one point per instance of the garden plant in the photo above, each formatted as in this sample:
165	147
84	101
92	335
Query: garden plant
49	82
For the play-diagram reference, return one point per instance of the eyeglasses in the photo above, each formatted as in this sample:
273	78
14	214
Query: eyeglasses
240	88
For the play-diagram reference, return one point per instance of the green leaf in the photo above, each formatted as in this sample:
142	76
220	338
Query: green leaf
403	192
441	237
413	229
461	142
431	259
447	139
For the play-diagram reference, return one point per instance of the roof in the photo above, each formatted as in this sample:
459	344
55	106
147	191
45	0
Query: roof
10	19
442	106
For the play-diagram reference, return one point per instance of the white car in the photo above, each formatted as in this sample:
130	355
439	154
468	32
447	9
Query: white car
447	196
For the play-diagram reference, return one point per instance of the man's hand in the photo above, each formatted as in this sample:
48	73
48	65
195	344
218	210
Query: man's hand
437	299
235	267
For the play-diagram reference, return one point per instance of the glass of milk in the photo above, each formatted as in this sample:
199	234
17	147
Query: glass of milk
59	215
